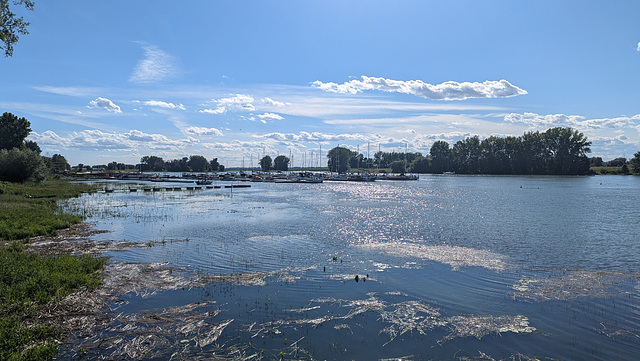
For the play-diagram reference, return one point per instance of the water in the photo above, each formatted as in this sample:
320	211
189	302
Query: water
448	267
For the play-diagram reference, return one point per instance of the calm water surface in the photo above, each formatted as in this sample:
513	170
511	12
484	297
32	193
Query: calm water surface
448	266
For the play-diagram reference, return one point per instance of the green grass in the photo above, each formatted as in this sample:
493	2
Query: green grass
30	281
23	217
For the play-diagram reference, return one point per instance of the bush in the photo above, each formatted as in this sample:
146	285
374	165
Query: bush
21	165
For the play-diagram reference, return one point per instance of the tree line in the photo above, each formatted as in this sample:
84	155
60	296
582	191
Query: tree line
560	151
194	163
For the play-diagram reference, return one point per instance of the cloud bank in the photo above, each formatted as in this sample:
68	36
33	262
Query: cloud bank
575	121
449	90
314	137
94	139
106	104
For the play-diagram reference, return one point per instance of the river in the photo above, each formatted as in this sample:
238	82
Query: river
446	267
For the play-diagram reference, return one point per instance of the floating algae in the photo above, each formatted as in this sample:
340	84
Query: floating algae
83	313
184	331
403	317
618	333
305	309
454	256
567	286
143	279
287	275
514	357
245	279
361	306
409	316
479	326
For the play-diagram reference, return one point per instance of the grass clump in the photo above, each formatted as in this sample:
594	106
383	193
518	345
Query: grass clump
30	209
29	281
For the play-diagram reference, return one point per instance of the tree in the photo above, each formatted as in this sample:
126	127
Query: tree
198	163
624	170
281	163
13	131
596	162
420	165
11	25
398	166
440	156
533	154
30	144
266	163
152	163
617	162
466	155
496	155
214	165
567	151
59	163
178	165
635	163
21	165
340	159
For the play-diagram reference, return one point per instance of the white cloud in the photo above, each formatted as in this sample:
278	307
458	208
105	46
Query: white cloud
576	121
238	102
203	131
106	104
213	111
638	48
270	116
156	66
449	90
161	104
276	103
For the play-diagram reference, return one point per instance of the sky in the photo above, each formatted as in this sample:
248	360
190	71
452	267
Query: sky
236	80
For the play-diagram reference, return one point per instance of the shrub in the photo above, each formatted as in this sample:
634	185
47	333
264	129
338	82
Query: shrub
21	165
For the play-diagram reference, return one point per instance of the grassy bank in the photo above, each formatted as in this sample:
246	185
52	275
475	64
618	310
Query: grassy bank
30	282
30	210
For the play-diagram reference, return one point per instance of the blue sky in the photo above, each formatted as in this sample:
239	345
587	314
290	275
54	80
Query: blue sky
117	80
